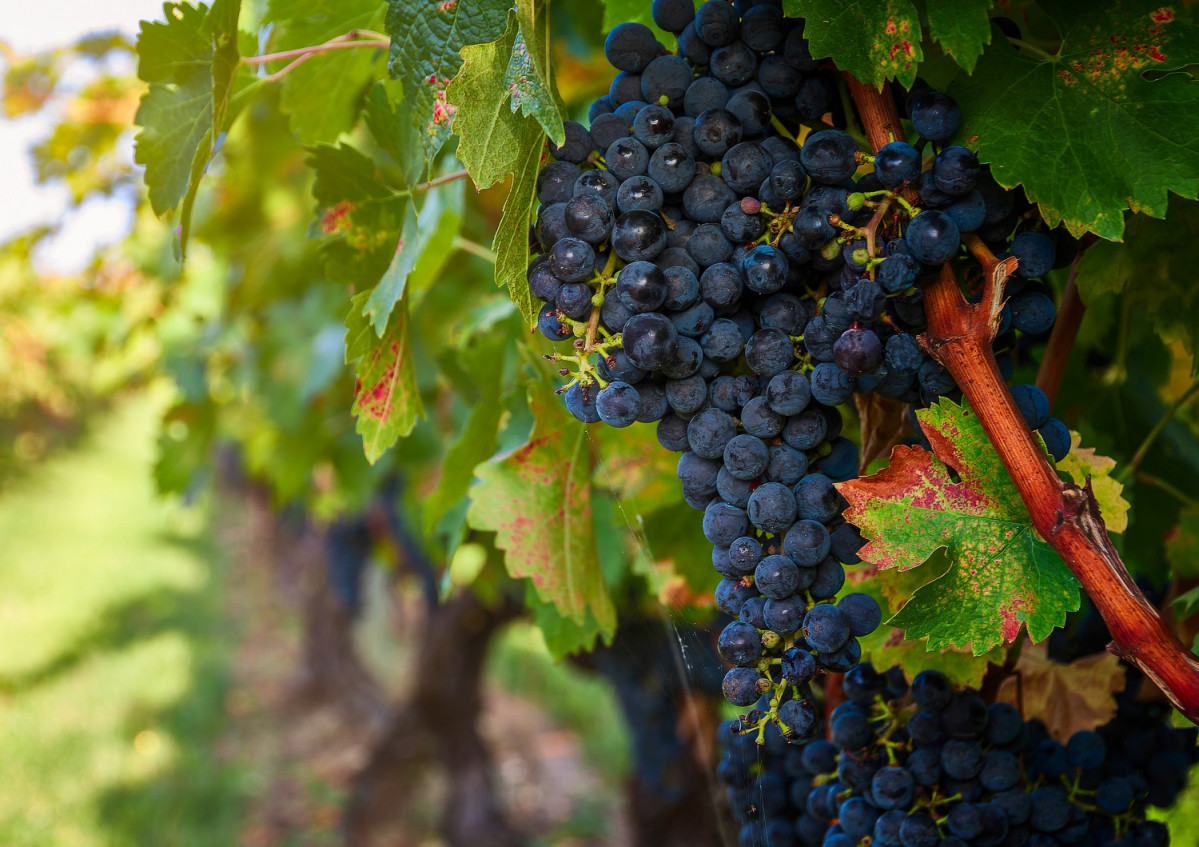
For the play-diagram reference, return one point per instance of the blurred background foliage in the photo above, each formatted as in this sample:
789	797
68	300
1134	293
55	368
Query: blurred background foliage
219	665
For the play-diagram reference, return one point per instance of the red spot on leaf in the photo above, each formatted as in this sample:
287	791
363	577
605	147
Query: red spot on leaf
337	218
375	400
1163	15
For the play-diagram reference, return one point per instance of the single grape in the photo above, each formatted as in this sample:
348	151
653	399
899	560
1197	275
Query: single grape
724	524
631	47
650	340
956	170
617	404
933	237
892	787
1036	253
861	612
740	644
710	431
825	628
1056	436
829	156
769	352
740	686
776	577
717	23
772	507
936	116
746	457
784	616
897	163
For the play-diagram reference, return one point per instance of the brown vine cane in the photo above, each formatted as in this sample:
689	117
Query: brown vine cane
959	336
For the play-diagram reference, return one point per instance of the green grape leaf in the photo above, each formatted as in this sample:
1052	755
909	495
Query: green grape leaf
528	94
189	61
875	40
359	217
493	137
1002	577
431	233
387	401
632	465
388	118
440	247
962	27
530	74
1083	462
511	242
427	38
564	636
676	559
322	96
184	446
887	646
1086	133
494	142
1186	604
1153	269
537	499
479	438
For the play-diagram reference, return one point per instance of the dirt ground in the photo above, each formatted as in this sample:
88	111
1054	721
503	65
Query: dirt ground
300	756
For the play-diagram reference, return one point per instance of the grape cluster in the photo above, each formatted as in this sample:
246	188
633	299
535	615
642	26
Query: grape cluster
734	287
932	766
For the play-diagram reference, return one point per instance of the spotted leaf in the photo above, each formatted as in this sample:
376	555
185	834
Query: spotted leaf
387	402
538	501
1086	131
875	40
427	37
1001	578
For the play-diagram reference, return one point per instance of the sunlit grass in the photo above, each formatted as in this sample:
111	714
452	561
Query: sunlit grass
112	654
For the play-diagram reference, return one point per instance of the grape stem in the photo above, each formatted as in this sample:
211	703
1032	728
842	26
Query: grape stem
1065	328
300	55
960	336
441	180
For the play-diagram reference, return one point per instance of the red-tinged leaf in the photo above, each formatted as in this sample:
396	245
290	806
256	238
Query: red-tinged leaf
1002	577
387	401
537	499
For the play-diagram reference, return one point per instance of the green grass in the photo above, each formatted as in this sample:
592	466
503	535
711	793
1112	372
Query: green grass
113	654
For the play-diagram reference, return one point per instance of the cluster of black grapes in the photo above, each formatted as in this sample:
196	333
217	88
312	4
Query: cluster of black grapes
734	287
934	767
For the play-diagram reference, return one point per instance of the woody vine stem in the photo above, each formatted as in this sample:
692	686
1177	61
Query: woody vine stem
959	336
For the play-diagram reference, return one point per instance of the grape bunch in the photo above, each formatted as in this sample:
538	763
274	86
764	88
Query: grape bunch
733	286
932	766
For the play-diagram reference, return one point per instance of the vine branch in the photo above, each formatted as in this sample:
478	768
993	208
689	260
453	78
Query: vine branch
1065	329
959	336
352	39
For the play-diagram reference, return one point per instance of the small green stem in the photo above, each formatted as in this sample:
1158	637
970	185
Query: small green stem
1031	48
782	130
1138	457
474	248
1158	482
